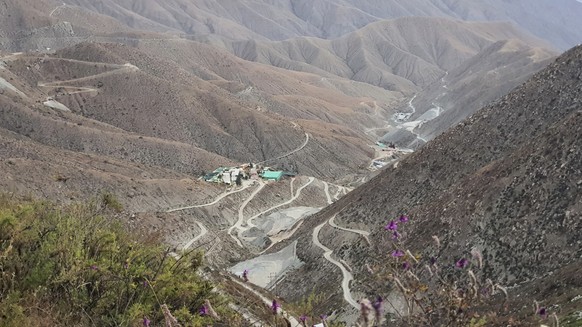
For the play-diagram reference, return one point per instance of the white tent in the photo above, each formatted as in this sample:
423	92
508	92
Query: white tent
226	177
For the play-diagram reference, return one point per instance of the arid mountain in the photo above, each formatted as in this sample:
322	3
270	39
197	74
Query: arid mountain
389	60
554	21
465	89
33	169
381	54
131	92
506	181
36	25
396	55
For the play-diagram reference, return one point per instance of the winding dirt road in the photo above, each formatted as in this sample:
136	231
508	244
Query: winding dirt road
218	199
203	231
364	234
289	153
293	198
57	8
62	84
326	190
238	224
347	276
340	190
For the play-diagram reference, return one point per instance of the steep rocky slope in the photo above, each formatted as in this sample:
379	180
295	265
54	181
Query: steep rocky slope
506	181
30	168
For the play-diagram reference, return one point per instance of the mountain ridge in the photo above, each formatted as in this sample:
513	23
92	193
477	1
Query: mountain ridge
326	19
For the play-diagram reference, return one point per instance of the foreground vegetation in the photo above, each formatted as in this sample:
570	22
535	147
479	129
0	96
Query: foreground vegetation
77	266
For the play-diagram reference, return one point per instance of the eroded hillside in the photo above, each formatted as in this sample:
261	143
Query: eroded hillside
506	182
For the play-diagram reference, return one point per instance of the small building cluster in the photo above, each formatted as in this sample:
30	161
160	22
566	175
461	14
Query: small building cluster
385	146
235	175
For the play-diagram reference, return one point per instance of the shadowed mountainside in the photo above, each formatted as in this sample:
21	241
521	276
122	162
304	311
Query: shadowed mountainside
506	181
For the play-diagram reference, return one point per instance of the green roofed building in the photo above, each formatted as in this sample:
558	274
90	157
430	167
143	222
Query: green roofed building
273	175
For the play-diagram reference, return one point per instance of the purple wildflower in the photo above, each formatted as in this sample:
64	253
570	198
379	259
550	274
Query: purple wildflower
145	283
395	235
275	306
303	318
323	317
403	218
94	267
377	305
462	263
397	253
146	322
543	312
406	265
391	226
203	310
432	260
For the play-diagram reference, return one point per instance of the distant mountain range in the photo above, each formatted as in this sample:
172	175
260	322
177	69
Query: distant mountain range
555	21
200	95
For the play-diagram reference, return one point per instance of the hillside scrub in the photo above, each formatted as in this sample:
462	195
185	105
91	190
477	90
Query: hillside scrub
78	266
427	291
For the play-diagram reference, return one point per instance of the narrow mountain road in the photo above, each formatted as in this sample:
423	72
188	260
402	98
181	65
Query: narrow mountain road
287	234
364	234
238	224
370	130
444	81
347	276
412	107
327	195
376	109
75	61
203	231
293	198
57	8
218	199
289	153
63	84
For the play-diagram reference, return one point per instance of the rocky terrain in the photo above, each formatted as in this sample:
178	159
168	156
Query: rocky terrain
506	181
465	89
138	99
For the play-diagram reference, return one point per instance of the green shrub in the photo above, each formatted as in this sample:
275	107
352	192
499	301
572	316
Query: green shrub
109	200
74	266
